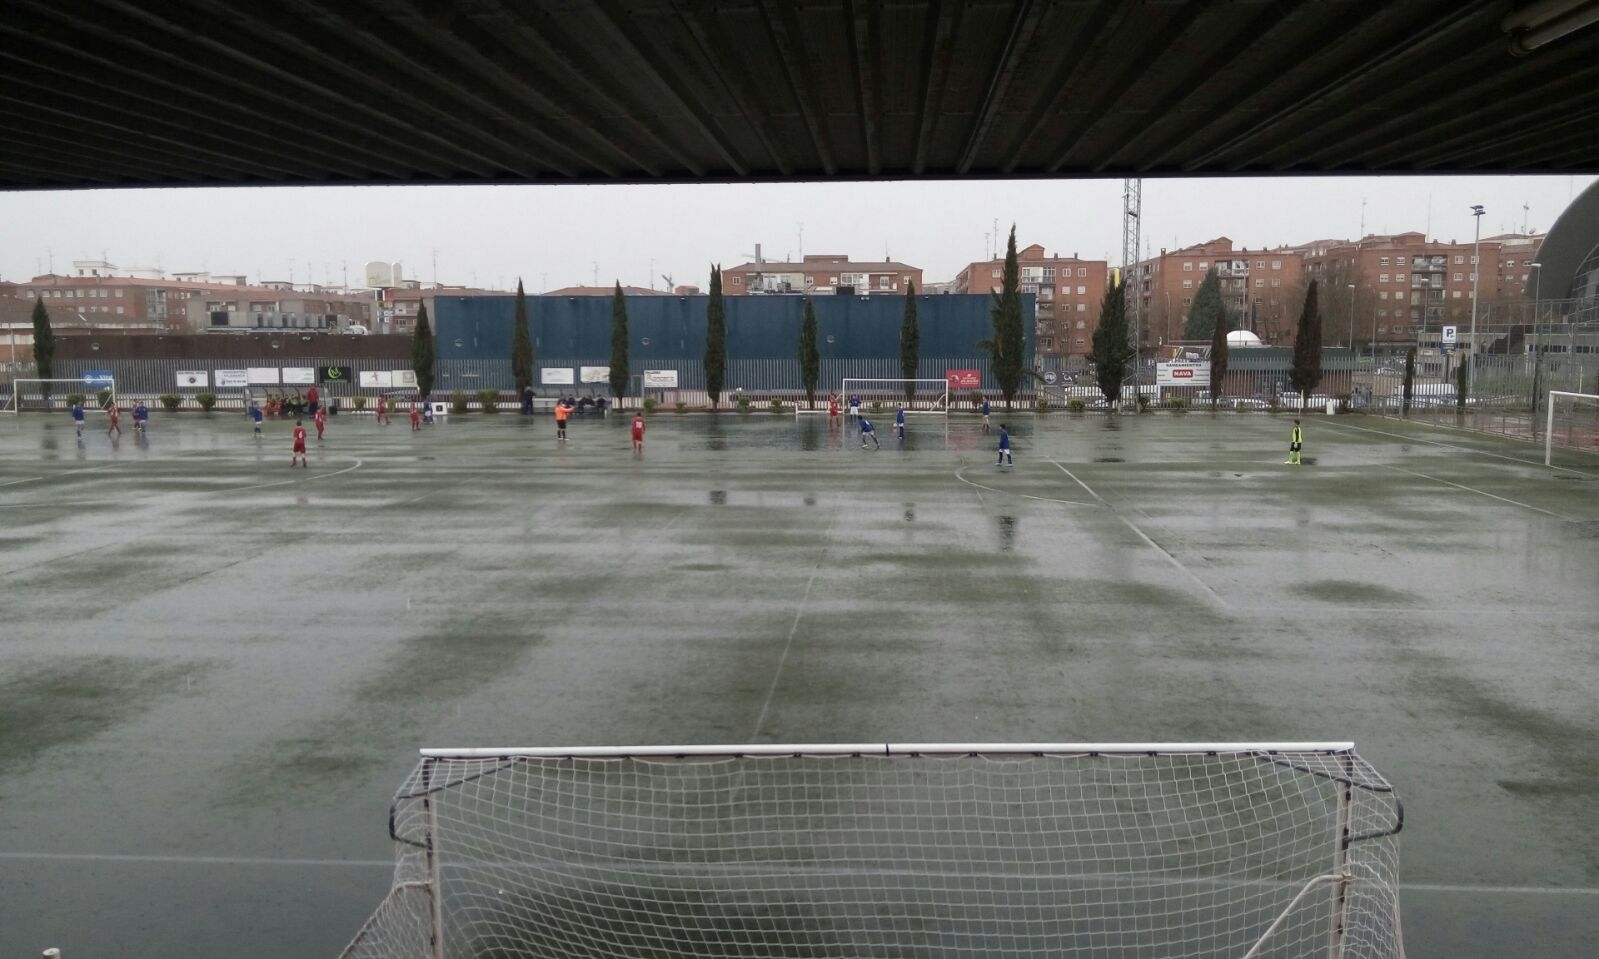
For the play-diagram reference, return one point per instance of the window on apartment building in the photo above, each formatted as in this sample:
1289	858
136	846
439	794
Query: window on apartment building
1382	294
1204	265
1049	273
1082	307
1082	271
995	272
119	291
1382	313
1457	294
1046	292
1260	264
1382	278
1457	277
1082	290
883	281
1259	284
738	280
1276	281
1474	260
1188	284
1276	264
1472	277
1188	266
119	310
1383	261
1399	277
1080	324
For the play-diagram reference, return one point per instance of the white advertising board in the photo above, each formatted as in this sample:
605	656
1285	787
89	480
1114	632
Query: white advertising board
232	378
403	379
376	379
594	374
299	375
1182	374
262	375
555	375
661	379
193	379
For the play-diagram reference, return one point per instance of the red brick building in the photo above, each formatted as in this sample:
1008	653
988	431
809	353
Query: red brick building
1069	292
821	274
1260	288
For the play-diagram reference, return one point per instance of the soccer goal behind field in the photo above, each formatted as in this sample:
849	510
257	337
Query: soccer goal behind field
883	396
969	850
43	395
1572	422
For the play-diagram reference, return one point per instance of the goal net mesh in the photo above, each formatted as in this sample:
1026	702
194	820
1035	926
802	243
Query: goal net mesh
1155	855
883	397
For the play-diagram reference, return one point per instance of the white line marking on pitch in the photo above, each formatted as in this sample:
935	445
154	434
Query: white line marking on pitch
245	489
1006	492
30	479
1145	537
1471	489
1459	449
788	644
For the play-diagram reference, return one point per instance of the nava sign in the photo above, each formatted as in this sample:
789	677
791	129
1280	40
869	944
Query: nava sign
964	379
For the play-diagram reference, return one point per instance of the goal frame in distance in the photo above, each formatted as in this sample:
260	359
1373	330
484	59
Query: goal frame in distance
936	390
1549	421
13	404
1339	890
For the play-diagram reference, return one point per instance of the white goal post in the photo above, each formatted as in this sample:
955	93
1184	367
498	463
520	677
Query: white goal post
916	395
29	395
1572	421
1241	850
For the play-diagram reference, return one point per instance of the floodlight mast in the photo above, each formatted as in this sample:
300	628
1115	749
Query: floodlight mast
1476	274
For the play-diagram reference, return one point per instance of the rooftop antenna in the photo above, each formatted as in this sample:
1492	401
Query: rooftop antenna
1362	219
652	272
988	247
670	283
435	268
596	273
802	241
1525	209
1428	235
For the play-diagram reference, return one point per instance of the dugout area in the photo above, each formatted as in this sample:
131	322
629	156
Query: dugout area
214	672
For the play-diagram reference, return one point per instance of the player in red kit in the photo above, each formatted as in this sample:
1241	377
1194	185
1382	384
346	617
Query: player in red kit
299	446
416	418
638	432
320	418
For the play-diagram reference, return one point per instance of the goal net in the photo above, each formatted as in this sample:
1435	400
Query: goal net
1572	422
1010	850
881	397
58	394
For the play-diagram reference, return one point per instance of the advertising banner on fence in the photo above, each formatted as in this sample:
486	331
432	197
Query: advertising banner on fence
299	375
335	374
376	379
403	379
1182	374
964	379
97	378
262	375
594	374
230	379
660	379
193	379
555	375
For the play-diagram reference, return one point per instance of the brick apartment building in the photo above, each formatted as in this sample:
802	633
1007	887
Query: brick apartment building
399	306
1261	289
821	274
1069	291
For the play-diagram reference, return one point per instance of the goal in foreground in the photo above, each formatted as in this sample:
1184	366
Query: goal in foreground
1011	849
918	396
1572	422
51	394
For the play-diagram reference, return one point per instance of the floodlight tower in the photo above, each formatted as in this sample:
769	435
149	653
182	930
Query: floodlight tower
1132	191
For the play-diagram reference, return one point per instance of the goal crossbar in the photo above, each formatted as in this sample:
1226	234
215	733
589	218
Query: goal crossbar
1003	849
926	395
31	388
1590	430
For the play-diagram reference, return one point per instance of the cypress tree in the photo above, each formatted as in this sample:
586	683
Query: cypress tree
1462	383
619	369
423	354
521	345
1110	350
810	358
44	346
910	342
1306	371
715	340
1009	341
1206	312
1218	361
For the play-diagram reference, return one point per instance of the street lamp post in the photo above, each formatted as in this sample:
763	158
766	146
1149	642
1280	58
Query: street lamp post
1351	317
1476	273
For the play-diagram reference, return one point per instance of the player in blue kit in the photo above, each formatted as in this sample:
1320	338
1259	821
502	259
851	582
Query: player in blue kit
985	415
1004	447
255	416
141	417
867	433
899	422
77	417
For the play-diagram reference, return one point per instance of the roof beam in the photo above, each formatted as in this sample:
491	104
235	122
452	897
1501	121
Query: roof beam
733	90
1023	25
786	35
861	28
1072	65
938	49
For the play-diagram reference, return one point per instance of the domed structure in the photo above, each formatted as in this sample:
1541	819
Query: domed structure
1245	338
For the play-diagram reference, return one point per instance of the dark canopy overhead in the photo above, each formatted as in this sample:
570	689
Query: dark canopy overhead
138	92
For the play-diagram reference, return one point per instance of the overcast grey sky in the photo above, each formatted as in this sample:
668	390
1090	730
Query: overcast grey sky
556	236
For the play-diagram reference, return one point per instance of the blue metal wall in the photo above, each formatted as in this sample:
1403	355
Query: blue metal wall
856	336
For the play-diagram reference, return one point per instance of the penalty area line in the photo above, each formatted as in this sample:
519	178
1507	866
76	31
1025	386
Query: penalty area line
1006	492
1215	596
1479	492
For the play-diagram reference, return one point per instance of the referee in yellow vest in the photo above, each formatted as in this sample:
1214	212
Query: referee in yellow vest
1296	443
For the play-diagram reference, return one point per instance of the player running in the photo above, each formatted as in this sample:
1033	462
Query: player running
416	417
832	411
255	415
638	433
114	417
141	417
383	411
299	446
899	422
985	415
1296	444
320	418
1004	447
77	417
562	411
867	433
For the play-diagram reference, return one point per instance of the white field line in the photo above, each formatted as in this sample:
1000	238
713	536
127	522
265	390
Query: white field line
1146	538
1004	492
1472	489
1459	449
788	643
246	489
